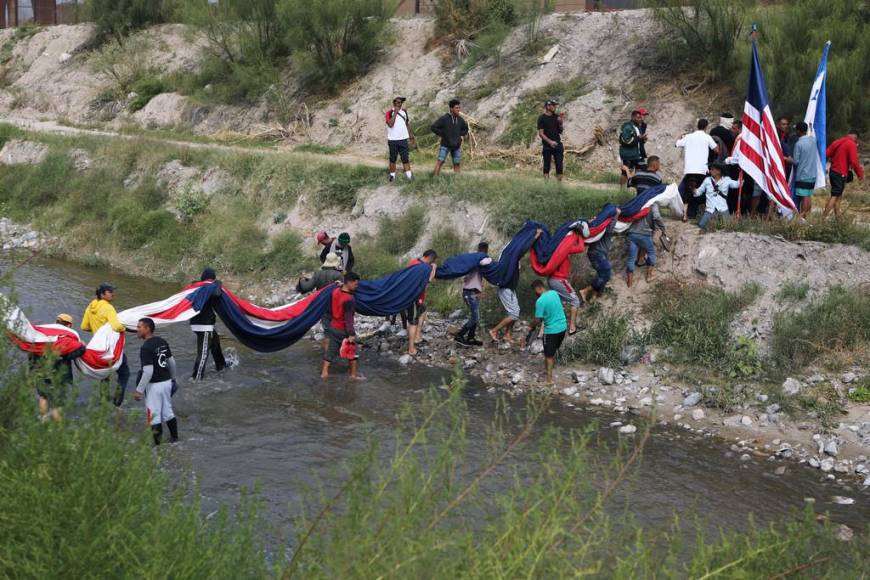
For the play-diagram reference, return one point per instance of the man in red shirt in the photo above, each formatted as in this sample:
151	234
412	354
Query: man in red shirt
417	308
558	281
338	324
843	154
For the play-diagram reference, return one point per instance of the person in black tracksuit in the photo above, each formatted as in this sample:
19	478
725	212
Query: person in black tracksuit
207	339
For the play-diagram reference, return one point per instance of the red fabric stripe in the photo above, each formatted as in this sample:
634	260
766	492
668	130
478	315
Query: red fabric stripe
289	312
570	244
175	311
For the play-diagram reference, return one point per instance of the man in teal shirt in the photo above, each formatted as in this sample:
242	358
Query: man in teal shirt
549	311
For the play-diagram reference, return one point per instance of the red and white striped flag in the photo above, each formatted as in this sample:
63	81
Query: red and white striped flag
760	152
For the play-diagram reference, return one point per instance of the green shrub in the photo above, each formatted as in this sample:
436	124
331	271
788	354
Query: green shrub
334	41
372	261
338	184
522	127
601	342
84	498
123	65
117	18
285	256
447	242
701	33
793	291
468	18
693	322
398	235
146	89
834	328
791	42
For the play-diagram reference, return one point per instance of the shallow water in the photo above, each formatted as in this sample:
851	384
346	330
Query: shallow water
272	422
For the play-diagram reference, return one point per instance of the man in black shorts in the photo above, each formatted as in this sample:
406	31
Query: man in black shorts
399	137
550	132
549	312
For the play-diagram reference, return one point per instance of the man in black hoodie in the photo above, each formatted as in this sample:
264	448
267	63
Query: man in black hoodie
207	339
451	128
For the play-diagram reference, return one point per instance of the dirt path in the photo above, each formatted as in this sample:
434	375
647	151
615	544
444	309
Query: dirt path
347	158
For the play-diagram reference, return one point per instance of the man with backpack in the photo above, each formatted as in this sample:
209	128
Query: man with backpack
631	141
399	138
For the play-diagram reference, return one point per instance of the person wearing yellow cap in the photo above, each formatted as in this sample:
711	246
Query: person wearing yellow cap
99	312
53	393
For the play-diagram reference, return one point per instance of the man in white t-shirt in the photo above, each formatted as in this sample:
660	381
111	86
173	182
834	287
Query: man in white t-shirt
696	150
399	134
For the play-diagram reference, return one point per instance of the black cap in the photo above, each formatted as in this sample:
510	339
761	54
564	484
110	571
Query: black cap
402	99
207	274
551	102
104	287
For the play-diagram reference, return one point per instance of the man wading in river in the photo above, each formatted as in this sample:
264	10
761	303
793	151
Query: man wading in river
207	338
99	312
155	383
338	327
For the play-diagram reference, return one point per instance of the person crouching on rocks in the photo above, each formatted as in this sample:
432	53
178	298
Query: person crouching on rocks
329	273
338	327
549	312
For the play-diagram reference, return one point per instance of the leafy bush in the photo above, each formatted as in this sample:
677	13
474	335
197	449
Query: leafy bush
334	41
398	235
339	184
115	19
146	89
601	342
522	127
701	32
793	291
285	256
83	498
122	65
372	261
467	18
834	327
693	322
791	42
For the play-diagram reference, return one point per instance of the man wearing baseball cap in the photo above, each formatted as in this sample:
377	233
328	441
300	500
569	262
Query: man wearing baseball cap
99	312
550	132
399	137
340	246
631	142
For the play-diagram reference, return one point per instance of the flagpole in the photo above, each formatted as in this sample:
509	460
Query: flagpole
739	193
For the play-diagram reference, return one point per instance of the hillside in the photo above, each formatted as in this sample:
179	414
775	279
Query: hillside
595	67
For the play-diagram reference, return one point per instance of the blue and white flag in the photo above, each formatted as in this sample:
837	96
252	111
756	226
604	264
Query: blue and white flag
816	117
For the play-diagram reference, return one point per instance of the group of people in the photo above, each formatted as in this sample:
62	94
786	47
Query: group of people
156	381
711	173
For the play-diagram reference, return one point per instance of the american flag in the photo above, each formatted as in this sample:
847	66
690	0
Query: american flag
760	152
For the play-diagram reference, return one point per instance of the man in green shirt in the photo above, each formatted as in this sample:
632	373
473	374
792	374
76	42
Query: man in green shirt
549	311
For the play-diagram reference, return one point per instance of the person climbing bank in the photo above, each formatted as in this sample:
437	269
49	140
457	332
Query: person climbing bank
340	246
329	273
99	312
156	381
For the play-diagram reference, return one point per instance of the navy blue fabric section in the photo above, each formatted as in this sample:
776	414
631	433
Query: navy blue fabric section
277	337
393	293
200	296
636	204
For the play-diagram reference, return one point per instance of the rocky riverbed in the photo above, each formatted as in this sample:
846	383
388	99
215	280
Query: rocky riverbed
15	236
647	391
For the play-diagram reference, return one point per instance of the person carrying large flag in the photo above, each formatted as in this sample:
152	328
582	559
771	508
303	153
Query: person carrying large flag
760	152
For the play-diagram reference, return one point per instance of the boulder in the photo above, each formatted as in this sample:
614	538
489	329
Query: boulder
692	399
791	386
606	376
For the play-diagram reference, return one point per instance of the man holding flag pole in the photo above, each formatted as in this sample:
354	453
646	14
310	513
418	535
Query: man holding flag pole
760	152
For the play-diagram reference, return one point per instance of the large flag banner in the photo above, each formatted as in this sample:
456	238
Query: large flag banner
816	117
760	152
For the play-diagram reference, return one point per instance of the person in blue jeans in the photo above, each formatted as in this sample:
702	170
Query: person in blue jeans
472	287
715	188
640	236
451	128
599	257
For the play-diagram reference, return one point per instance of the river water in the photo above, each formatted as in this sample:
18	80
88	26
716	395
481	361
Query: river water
273	423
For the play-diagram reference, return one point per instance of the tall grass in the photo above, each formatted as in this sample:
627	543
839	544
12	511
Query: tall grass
81	499
602	341
833	328
426	512
843	230
693	321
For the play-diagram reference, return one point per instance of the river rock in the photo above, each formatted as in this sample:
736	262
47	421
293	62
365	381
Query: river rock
518	377
826	464
646	402
577	377
746	421
761	398
831	448
813	462
791	386
848	377
772	409
406	359
745	457
779	470
628	429
864	430
605	376
469	363
843	533
698	414
692	399
630	354
569	391
537	347
842	500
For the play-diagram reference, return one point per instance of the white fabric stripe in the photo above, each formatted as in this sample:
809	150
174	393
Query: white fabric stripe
131	316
